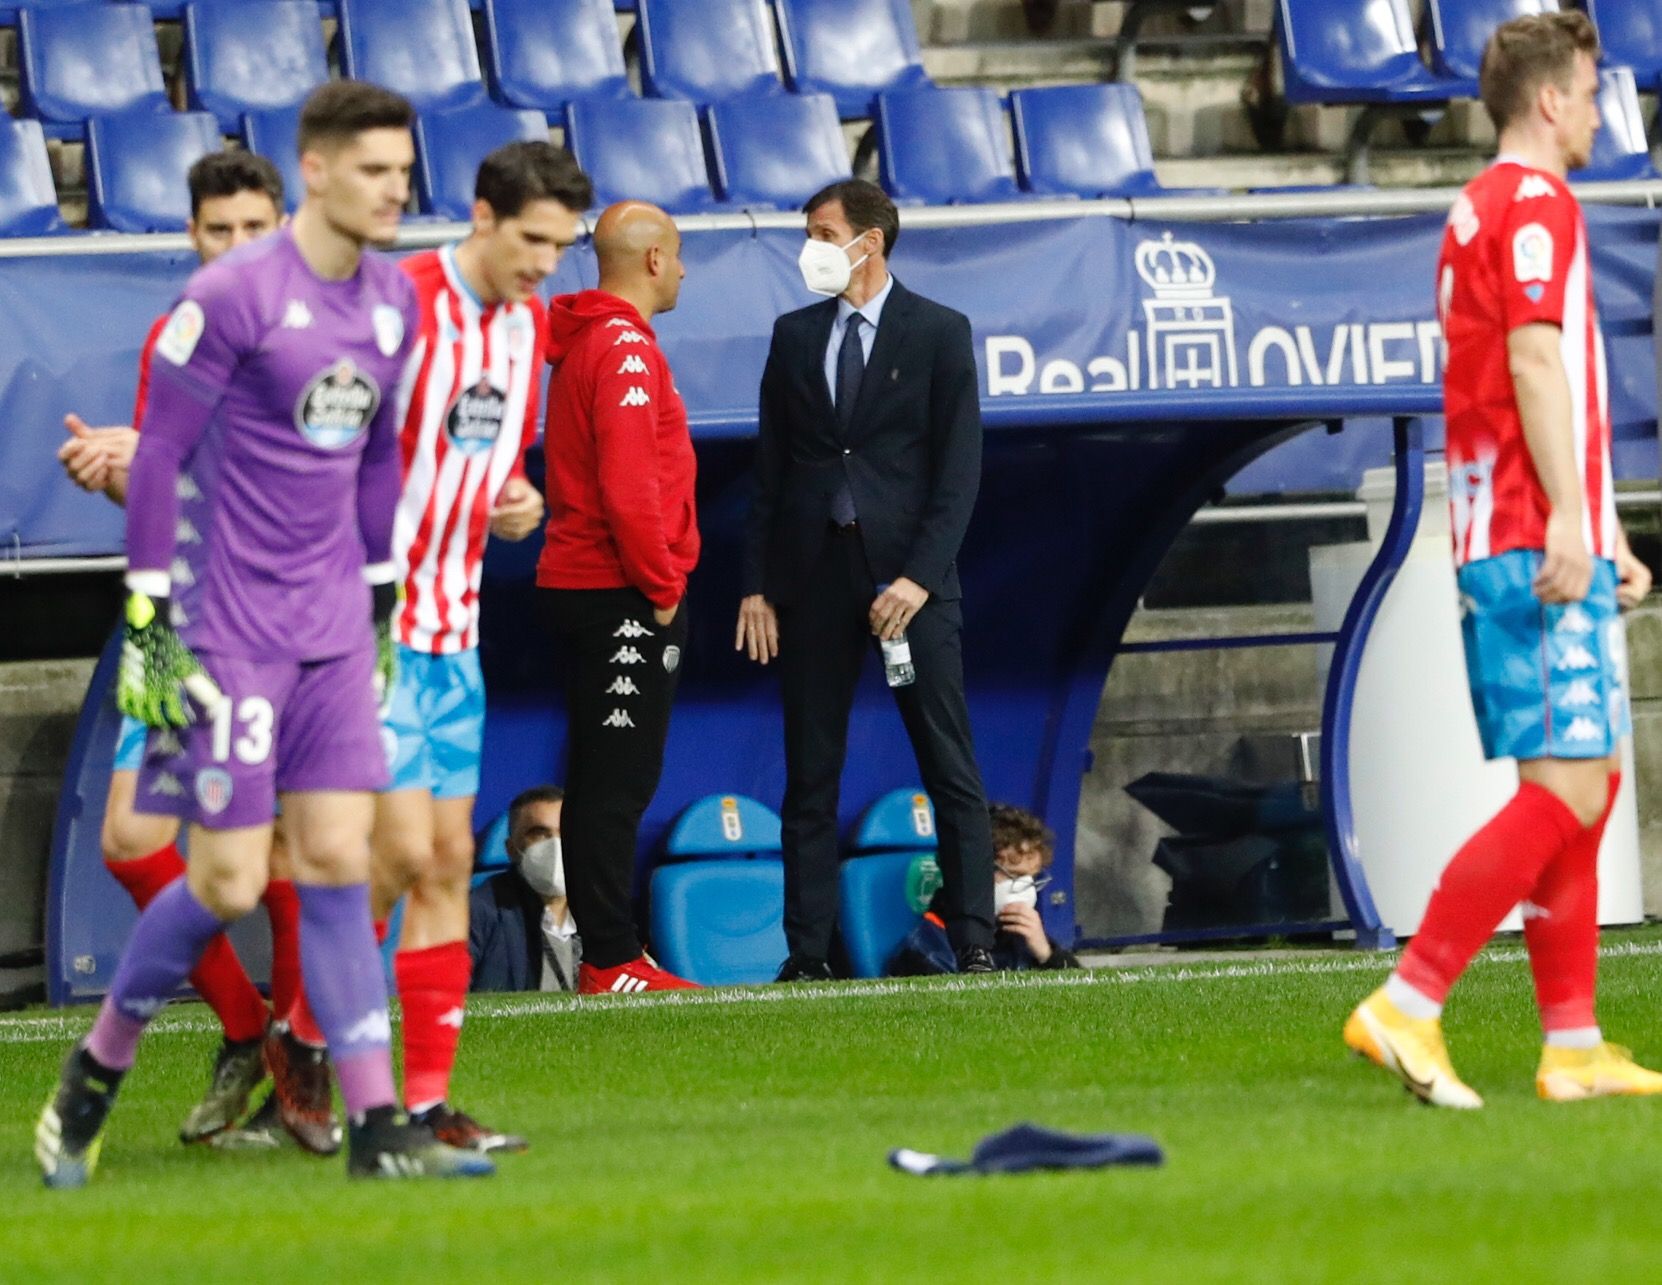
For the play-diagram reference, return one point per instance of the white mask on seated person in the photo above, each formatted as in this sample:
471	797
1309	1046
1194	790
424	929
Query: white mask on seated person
1020	891
542	865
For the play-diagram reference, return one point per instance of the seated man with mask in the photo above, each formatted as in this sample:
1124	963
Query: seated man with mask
1023	849
521	934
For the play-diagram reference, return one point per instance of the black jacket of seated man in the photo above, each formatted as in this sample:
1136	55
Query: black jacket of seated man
854	492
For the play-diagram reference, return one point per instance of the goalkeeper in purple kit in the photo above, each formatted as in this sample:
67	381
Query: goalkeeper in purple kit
260	594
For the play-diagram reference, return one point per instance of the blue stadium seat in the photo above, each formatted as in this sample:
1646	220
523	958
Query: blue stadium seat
724	825
87	60
9	11
251	56
28	200
708	50
1620	150
423	49
647	149
895	837
1461	28
545	53
777	151
718	913
450	145
136	168
275	134
720	923
944	146
490	853
166	10
851	49
1630	34
1083	140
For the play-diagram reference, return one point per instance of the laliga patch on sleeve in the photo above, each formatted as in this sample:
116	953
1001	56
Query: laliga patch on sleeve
183	331
1532	253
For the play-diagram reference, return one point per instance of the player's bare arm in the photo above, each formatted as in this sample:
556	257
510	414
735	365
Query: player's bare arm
1544	405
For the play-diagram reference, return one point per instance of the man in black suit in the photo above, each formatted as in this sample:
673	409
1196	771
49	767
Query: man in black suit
867	466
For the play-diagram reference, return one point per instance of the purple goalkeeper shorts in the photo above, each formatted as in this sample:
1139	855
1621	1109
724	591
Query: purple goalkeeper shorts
285	726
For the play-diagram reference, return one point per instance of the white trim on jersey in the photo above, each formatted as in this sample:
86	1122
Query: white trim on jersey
1572	347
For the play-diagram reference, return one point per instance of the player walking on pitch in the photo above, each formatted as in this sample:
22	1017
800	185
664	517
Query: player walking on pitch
1543	569
472	415
249	621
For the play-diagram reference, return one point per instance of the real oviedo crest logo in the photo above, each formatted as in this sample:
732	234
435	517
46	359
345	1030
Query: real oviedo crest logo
336	406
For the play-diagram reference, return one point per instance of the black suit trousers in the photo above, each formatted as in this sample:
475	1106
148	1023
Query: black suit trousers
824	639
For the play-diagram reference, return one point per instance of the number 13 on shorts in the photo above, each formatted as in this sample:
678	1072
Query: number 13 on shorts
243	727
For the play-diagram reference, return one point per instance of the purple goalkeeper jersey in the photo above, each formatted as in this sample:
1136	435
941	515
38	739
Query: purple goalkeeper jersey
268	473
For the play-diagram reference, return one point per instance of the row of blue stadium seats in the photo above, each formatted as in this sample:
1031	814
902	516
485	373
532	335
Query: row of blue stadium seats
82	59
718	901
174	10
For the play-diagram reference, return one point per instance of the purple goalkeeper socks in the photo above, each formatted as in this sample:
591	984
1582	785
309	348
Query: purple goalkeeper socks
348	991
171	935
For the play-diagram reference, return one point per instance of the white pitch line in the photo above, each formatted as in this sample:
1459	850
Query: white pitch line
46	1027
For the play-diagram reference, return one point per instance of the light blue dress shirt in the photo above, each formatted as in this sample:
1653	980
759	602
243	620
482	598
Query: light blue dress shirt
873	313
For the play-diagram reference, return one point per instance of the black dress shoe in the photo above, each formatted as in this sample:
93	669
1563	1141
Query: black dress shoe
975	959
799	968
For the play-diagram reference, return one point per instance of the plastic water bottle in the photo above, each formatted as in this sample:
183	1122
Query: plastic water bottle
897	662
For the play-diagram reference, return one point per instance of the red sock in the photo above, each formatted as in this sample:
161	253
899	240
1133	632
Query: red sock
218	976
302	1025
282	904
432	985
1561	929
1495	870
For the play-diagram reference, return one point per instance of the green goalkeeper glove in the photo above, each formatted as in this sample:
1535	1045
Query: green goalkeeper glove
384	601
158	670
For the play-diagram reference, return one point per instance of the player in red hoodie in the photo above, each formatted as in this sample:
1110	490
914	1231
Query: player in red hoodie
622	539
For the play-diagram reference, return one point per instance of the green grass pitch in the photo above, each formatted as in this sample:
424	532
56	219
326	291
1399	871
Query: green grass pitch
742	1136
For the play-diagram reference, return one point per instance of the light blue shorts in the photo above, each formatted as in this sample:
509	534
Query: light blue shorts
434	730
1546	681
129	745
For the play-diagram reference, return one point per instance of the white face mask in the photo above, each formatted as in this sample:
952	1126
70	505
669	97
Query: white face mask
1022	891
542	865
825	267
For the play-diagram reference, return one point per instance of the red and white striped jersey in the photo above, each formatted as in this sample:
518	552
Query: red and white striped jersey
1515	252
471	393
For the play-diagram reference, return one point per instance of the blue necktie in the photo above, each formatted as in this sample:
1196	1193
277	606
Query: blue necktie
851	366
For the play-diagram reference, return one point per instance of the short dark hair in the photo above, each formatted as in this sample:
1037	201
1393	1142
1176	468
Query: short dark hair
866	206
1018	828
1528	52
227	173
536	794
515	175
339	111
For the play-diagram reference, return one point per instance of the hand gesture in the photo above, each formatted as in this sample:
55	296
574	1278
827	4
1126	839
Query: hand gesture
1023	921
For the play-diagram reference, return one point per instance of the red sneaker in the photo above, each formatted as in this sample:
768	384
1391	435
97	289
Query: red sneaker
630	979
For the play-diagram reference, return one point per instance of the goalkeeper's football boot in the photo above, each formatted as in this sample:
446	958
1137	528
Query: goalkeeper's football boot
1607	1071
1409	1048
70	1131
301	1083
388	1145
458	1129
238	1071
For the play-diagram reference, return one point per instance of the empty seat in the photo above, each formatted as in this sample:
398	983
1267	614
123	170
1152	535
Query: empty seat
1620	150
944	146
777	151
87	60
275	135
545	53
10	10
724	825
1083	140
423	49
708	50
1461	28
137	167
28	201
1630	33
850	49
450	145
641	149
888	882
251	56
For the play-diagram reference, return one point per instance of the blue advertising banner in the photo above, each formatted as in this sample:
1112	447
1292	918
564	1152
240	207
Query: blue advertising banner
1198	313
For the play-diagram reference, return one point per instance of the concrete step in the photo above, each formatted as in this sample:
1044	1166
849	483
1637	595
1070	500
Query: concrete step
1428	167
954	21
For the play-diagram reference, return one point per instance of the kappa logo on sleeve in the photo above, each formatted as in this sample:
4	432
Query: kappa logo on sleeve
182	333
629	337
636	396
1532	253
1533	186
632	365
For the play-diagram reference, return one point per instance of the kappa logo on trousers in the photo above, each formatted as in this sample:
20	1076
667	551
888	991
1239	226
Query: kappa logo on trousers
618	718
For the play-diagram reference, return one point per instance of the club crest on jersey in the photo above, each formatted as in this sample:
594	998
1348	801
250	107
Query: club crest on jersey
475	419
388	323
336	407
180	336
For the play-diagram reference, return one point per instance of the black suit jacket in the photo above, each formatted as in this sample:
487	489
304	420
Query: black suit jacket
504	934
912	452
